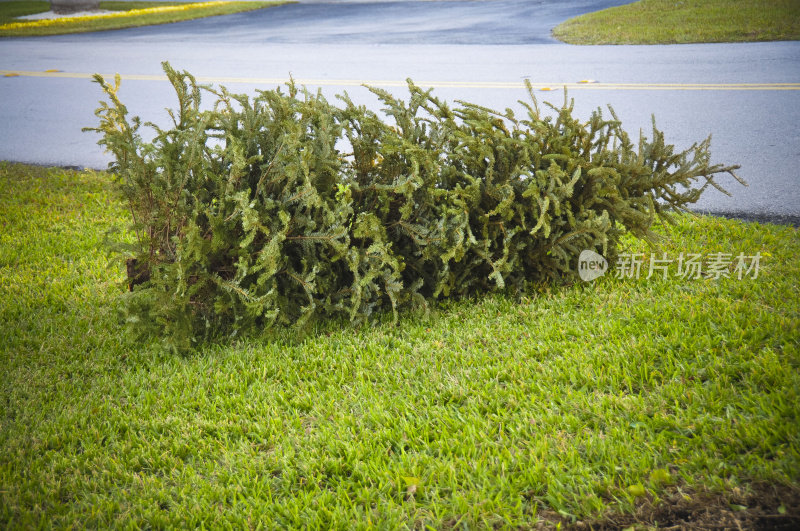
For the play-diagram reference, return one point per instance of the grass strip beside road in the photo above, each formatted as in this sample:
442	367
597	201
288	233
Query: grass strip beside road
128	14
685	21
589	402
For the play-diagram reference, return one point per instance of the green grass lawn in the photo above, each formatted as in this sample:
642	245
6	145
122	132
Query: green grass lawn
601	402
685	21
10	10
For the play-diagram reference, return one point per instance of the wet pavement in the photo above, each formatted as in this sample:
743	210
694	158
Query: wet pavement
747	95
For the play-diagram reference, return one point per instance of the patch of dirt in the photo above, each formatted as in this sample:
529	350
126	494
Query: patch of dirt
763	507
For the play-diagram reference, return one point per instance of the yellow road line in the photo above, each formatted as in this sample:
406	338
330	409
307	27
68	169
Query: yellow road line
436	84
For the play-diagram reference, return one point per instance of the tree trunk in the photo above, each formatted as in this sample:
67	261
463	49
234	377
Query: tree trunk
73	6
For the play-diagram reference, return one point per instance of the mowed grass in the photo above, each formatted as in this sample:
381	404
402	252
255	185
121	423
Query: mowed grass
685	21
10	10
574	403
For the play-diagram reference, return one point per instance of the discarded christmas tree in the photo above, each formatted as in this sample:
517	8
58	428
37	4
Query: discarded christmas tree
248	215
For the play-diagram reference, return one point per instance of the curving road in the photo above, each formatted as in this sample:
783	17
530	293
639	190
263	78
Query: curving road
747	95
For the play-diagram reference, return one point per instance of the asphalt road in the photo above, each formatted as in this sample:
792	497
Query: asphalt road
381	22
746	95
